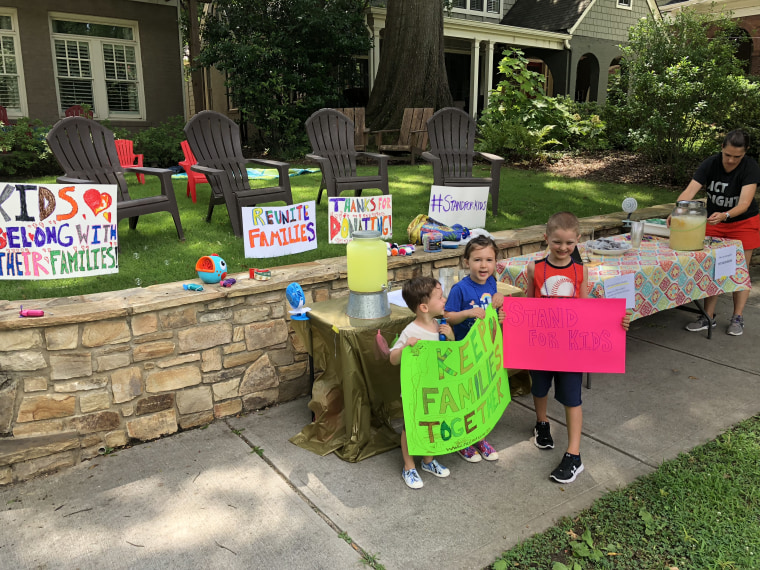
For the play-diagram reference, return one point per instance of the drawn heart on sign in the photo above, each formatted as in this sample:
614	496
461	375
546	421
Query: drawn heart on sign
98	201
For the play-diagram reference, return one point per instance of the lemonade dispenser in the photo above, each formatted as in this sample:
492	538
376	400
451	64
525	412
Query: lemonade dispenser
687	225
367	266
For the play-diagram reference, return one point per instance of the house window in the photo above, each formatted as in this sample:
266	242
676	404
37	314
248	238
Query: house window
97	63
476	5
624	4
12	95
459	4
493	7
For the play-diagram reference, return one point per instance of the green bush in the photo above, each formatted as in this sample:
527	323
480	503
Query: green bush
161	144
522	123
24	150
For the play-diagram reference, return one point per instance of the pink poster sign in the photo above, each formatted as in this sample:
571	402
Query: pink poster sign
573	335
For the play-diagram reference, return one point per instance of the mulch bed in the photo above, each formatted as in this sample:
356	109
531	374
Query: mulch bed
612	166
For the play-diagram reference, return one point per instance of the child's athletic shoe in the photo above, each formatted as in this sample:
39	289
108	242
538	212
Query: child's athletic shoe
569	468
412	478
543	436
470	454
701	324
486	451
435	468
736	326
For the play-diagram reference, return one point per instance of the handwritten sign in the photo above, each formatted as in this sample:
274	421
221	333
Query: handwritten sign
53	231
347	215
621	287
725	262
454	392
573	335
271	231
466	206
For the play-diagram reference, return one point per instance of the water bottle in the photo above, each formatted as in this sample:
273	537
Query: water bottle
442	336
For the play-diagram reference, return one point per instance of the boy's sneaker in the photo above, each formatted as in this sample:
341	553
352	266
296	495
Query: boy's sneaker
543	436
412	478
701	324
486	451
470	454
435	468
736	326
569	468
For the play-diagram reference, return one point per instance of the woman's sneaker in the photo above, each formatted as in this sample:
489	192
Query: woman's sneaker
543	436
701	324
470	454
486	451
412	478
569	468
736	326
435	468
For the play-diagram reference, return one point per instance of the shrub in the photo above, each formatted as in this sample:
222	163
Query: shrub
161	144
521	122
25	152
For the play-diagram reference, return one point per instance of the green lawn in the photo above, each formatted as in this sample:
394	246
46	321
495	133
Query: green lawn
152	254
698	511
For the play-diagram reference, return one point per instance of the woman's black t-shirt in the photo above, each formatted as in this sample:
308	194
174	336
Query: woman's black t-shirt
723	188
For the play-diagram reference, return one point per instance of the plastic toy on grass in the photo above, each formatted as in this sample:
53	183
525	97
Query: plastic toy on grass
211	268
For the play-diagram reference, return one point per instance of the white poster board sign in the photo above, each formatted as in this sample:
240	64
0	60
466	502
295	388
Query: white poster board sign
725	262
465	206
271	231
55	231
621	287
362	213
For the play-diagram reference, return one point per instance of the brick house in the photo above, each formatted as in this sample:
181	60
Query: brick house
123	58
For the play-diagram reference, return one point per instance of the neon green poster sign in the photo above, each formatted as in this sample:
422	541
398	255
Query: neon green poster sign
454	392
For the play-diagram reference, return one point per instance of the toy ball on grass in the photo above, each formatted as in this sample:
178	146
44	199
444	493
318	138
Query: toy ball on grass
211	268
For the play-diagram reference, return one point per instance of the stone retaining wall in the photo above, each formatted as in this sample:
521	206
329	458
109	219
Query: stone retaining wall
101	371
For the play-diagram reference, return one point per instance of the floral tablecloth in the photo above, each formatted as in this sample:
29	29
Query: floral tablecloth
664	278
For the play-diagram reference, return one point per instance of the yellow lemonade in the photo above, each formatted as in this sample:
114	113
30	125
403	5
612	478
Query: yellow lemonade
367	262
687	233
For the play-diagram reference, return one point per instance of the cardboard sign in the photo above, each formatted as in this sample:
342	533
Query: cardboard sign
371	213
454	392
465	206
568	335
53	231
271	231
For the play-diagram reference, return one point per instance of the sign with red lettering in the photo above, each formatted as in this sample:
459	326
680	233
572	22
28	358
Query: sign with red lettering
52	231
271	231
566	335
363	213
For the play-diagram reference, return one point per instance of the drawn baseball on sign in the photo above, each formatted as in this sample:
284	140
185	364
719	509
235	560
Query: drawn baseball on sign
558	286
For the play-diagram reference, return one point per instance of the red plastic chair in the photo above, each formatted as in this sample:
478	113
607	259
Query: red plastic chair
127	157
77	111
193	177
3	116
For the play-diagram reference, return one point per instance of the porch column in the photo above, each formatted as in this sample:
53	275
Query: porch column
474	74
489	73
374	58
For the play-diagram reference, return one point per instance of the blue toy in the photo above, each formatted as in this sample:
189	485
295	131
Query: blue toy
211	268
296	298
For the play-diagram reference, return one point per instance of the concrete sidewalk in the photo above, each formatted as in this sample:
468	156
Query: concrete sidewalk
206	499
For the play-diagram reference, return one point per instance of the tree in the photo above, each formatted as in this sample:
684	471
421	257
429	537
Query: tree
412	71
284	59
191	34
677	86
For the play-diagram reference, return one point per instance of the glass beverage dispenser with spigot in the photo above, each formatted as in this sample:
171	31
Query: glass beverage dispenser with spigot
688	223
367	267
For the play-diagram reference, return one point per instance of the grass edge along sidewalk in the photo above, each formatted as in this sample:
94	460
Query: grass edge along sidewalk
699	510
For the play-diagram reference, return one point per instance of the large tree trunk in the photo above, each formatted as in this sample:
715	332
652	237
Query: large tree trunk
412	71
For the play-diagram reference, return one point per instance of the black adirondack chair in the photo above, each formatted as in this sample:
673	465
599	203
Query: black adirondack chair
331	134
452	149
215	142
87	153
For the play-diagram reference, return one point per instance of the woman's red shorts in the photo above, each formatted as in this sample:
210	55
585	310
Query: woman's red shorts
748	231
